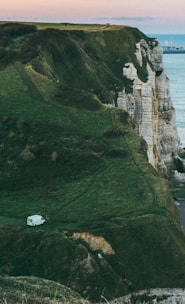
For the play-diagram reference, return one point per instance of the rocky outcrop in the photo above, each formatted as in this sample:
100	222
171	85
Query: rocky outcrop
150	106
153	296
95	242
74	262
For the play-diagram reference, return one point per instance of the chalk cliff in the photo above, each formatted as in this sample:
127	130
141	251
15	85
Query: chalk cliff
150	106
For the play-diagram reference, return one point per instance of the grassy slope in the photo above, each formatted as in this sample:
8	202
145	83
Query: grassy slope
84	140
89	155
65	155
35	290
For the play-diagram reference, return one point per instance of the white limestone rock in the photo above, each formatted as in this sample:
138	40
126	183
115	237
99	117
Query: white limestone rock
154	296
150	106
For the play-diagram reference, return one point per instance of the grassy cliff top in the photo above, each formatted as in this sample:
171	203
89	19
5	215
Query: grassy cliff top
69	26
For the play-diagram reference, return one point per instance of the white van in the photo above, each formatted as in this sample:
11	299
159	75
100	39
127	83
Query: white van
35	220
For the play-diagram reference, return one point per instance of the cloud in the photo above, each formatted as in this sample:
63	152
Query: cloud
125	18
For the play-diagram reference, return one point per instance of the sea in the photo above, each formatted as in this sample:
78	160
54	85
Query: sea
174	64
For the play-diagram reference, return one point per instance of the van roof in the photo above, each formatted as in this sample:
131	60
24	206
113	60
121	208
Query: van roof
35	216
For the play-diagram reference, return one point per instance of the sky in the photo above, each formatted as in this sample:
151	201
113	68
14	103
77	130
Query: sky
150	16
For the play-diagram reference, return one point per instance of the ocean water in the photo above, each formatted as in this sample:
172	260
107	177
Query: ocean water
174	64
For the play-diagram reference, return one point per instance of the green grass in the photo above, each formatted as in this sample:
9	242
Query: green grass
18	101
35	290
69	26
96	175
106	174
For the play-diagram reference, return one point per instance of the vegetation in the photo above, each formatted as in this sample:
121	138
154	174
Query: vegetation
70	156
35	290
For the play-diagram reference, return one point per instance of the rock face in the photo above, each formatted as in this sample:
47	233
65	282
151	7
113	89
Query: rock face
150	106
153	296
